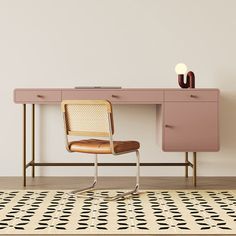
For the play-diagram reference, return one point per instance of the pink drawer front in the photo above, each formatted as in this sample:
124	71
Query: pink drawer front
116	96
37	96
191	95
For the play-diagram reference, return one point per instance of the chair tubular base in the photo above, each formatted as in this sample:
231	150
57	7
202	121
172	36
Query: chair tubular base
123	195
84	190
80	192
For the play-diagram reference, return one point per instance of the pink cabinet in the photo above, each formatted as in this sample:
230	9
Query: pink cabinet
190	126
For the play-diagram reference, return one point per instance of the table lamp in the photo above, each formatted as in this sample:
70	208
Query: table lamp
180	70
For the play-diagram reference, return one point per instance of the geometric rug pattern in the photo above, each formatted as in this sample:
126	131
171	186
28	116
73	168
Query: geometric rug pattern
151	212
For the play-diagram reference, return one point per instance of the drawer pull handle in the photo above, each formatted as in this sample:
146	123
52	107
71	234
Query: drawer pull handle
168	126
40	96
193	96
114	96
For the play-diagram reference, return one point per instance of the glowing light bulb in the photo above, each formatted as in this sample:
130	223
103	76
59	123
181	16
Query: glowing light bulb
180	69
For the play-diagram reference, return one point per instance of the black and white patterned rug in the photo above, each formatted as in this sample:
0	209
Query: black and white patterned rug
152	212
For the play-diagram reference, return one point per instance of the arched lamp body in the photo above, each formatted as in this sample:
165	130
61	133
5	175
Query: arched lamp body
190	81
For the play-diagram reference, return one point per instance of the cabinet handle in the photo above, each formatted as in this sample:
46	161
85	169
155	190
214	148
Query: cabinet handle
114	96
40	96
193	96
168	126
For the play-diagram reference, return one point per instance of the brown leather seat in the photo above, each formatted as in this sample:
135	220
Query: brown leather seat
98	146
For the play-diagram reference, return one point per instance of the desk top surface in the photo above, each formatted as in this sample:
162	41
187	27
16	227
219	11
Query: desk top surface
117	89
115	95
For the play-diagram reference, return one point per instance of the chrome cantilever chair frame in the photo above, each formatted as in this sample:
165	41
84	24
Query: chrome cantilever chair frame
92	187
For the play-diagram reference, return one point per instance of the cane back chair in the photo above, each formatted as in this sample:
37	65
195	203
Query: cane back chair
94	118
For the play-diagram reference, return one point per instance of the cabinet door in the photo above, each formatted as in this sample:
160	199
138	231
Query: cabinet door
190	126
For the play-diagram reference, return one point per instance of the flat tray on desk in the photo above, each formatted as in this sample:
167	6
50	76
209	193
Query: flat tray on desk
98	87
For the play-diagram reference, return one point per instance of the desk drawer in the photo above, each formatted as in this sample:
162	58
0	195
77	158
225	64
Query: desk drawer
138	96
116	96
37	96
191	95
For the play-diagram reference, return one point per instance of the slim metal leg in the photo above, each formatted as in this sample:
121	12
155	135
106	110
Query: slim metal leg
24	144
136	189
138	170
195	169
79	191
33	140
186	167
96	169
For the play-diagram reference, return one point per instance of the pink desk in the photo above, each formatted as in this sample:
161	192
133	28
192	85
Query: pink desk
190	118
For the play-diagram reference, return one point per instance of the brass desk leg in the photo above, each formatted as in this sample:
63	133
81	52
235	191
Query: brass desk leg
33	140
186	167
24	144
195	169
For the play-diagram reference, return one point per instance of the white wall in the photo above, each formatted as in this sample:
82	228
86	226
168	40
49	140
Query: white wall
128	43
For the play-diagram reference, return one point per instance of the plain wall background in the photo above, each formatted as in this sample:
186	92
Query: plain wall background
128	43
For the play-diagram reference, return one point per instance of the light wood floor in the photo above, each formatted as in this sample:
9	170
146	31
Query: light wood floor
118	182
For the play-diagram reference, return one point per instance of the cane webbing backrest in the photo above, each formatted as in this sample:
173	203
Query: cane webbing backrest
87	117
